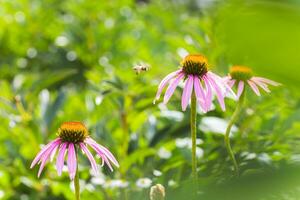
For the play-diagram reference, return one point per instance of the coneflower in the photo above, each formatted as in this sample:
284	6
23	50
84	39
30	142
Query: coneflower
195	73
242	77
200	86
73	136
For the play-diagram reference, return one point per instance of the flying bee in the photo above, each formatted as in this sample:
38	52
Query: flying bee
141	67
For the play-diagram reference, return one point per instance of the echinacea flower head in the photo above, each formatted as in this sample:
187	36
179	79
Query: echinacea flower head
73	136
194	72
241	76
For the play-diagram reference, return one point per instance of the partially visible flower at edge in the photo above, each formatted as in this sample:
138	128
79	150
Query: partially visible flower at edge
242	75
194	71
71	137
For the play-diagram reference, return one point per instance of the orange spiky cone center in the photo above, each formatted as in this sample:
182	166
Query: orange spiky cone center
73	132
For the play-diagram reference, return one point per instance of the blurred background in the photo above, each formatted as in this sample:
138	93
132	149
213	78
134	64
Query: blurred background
72	60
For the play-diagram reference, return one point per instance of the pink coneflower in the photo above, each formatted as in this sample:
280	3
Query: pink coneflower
242	75
73	136
197	77
200	86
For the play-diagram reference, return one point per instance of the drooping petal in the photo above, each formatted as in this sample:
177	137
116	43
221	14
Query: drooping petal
208	99
231	83
107	163
264	86
42	152
254	87
46	156
187	92
164	82
240	89
60	158
172	86
226	78
218	91
267	81
103	150
219	81
90	157
101	154
199	92
72	161
53	153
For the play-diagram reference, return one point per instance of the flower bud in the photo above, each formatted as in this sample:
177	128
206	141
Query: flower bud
157	192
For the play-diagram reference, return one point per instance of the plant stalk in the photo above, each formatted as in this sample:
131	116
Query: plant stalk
228	129
76	180
194	135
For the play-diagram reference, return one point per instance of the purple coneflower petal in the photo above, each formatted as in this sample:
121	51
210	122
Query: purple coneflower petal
53	153
172	86
199	92
224	86
101	154
208	99
164	82
43	151
90	157
240	89
231	83
46	156
267	81
72	161
187	92
226	79
254	87
107	163
102	150
261	84
60	158
218	91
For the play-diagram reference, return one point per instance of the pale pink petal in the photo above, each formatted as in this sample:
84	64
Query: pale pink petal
254	87
220	82
218	91
172	86
101	154
208	99
261	84
240	89
102	150
42	152
53	153
199	92
231	83
187	92
46	156
90	157
164	82
226	78
104	158
60	158
72	161
265	80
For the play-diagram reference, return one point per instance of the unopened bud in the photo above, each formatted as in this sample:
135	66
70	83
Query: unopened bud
157	192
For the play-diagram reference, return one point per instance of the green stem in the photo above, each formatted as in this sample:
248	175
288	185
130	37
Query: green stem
194	135
76	180
230	124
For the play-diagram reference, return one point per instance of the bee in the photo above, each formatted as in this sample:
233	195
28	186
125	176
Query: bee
141	67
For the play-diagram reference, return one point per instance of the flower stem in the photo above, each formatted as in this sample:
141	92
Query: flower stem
76	180
228	129
194	135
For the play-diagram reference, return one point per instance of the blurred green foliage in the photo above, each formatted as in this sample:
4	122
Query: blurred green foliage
72	60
